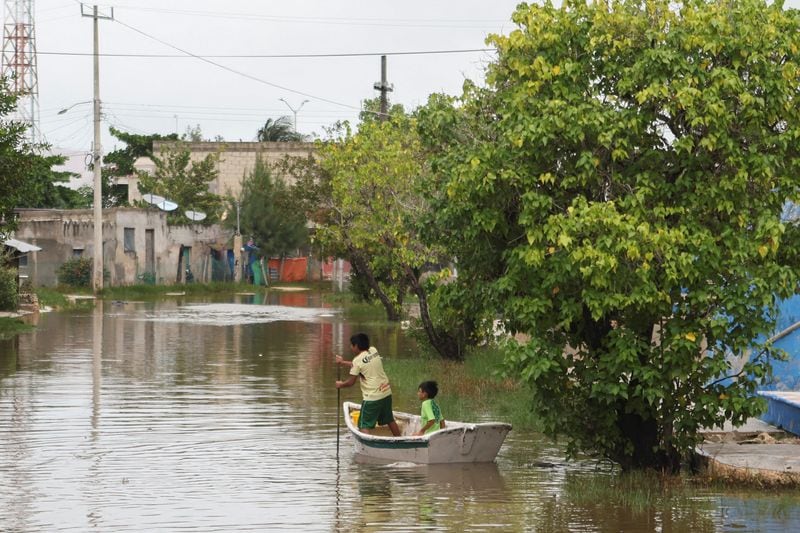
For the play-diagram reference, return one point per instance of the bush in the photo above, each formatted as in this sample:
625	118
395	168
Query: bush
9	298
76	272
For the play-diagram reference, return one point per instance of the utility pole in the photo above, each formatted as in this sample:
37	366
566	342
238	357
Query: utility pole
384	87
97	157
237	249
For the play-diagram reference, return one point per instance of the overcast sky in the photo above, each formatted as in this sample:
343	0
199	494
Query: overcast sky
167	94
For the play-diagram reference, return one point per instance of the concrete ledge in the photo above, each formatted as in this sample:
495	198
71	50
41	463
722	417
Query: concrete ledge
77	297
763	465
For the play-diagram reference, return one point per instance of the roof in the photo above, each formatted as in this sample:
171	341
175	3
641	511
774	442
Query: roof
20	246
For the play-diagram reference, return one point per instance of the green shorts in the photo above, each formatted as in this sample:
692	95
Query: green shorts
375	412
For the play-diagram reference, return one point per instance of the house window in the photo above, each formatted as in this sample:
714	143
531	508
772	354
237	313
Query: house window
77	252
130	240
23	260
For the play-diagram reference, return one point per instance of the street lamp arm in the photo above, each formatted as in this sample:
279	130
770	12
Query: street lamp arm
73	105
294	111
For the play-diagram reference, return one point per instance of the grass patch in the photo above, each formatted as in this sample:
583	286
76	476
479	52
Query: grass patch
471	391
643	491
637	491
11	327
51	297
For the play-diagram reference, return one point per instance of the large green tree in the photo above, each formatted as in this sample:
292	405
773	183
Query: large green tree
268	213
119	162
27	178
377	176
626	166
46	187
185	182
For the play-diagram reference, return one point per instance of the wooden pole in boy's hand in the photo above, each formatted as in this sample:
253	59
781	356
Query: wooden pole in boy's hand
338	409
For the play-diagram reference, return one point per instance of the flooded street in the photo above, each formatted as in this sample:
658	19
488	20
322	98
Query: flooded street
221	416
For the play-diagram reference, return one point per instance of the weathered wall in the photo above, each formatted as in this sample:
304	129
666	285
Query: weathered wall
237	160
63	234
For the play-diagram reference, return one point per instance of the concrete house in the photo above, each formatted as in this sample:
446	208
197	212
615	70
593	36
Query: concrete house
138	245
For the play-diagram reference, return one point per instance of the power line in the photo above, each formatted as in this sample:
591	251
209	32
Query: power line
213	108
186	55
348	21
234	71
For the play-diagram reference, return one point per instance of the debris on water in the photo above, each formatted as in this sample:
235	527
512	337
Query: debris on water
542	464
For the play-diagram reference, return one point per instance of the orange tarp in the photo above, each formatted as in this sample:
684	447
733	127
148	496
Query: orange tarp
294	268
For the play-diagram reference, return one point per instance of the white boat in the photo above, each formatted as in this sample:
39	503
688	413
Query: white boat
459	442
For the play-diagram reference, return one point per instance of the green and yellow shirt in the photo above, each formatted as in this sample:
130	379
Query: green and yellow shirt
372	378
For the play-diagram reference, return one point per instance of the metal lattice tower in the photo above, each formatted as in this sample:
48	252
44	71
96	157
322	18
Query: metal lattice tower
19	61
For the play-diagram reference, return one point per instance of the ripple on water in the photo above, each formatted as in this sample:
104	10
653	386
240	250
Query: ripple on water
233	314
136	427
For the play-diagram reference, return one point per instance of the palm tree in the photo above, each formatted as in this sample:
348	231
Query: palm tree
278	130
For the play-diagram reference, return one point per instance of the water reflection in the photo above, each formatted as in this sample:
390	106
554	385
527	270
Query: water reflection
119	418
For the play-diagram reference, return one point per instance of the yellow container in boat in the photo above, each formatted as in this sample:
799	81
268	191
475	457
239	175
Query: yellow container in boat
354	417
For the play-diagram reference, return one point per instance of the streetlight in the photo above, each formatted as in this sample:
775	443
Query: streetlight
73	105
295	111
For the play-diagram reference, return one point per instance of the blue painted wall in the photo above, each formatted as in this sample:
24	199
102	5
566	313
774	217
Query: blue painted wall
787	373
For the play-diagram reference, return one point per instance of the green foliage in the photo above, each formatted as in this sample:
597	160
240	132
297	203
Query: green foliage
9	296
50	297
44	190
76	272
373	175
615	192
364	194
268	214
11	327
278	130
469	390
185	182
193	134
119	162
26	177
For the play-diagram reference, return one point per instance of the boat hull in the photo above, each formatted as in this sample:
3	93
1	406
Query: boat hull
457	443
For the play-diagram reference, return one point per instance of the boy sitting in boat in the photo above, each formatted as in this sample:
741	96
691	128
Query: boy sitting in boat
431	415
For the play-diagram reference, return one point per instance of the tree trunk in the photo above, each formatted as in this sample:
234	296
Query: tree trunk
393	312
445	344
649	451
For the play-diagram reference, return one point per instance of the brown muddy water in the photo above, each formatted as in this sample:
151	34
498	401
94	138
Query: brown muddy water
221	416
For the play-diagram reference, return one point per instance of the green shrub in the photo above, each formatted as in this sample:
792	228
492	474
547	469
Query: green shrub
76	272
9	298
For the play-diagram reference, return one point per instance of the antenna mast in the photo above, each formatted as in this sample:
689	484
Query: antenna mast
19	62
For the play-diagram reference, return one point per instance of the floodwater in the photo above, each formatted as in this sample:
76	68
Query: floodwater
221	416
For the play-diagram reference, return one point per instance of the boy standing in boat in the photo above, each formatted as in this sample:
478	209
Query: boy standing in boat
376	406
431	415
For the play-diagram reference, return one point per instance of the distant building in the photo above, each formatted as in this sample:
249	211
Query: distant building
237	160
138	245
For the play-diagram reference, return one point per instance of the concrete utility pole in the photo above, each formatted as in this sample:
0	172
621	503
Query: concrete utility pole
384	87
237	249
97	157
